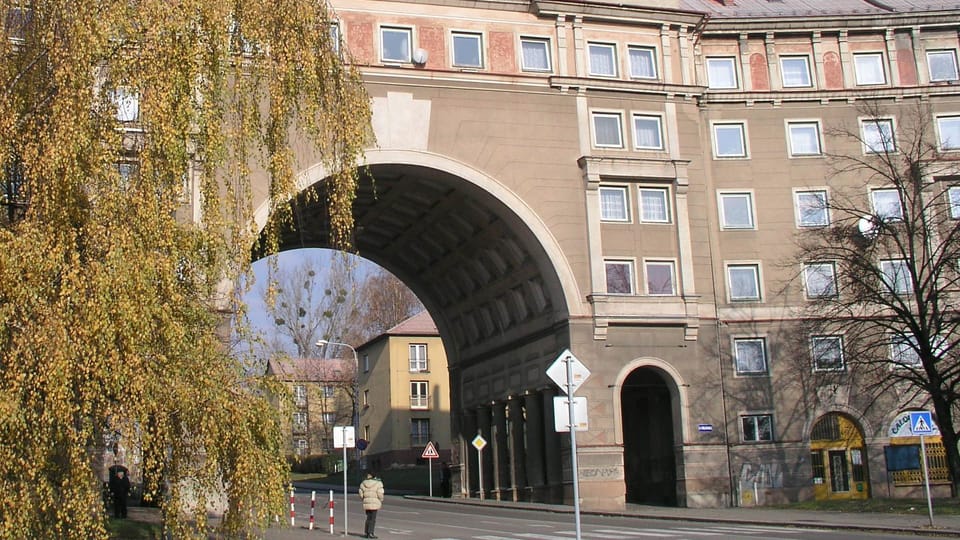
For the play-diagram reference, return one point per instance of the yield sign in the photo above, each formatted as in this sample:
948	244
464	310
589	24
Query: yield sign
430	452
558	371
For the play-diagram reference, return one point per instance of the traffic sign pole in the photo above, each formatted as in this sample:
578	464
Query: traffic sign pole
926	478
573	443
921	423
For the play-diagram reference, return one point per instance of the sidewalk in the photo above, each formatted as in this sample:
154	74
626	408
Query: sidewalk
918	523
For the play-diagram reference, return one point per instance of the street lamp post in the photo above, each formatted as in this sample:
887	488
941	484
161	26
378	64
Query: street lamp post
353	419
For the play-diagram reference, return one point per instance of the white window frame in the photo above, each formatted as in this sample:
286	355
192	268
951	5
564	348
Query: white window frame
799	206
594	116
878	142
729	63
746	195
879	211
951	143
951	56
953	199
329	418
754	268
328	390
538	41
624	192
742	369
820	270
127	104
896	276
794	127
299	394
755	419
630	265
663	194
366	363
420	395
724	127
404	58
671	266
417	437
807	81
417	362
903	352
653	61
336	35
602	47
637	140
299	420
860	63
464	36
818	347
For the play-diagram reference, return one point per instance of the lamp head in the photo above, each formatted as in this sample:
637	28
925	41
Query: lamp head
322	342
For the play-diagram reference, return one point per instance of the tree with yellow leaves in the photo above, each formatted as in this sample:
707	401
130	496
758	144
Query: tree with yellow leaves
130	131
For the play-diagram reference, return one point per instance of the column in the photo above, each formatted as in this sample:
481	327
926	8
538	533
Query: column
817	41
892	59
746	76
501	452
518	457
773	68
536	472
465	482
920	57
483	428
846	60
552	455
580	60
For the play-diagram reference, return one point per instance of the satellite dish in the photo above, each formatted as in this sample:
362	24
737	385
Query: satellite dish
420	57
868	227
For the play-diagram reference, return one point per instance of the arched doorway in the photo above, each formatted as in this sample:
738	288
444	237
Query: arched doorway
838	459
648	438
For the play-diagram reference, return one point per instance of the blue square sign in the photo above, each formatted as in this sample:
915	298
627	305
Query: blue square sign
921	423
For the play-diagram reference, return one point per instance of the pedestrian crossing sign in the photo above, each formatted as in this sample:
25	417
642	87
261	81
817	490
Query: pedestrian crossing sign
921	423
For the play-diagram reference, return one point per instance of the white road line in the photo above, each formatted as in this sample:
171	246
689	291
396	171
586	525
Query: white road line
670	532
619	534
750	529
537	536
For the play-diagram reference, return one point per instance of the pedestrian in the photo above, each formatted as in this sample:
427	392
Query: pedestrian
445	486
371	492
120	489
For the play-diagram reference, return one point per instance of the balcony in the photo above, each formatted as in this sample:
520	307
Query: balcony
419	402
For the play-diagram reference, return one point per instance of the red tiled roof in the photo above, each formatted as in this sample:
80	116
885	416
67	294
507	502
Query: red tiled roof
420	324
311	369
789	8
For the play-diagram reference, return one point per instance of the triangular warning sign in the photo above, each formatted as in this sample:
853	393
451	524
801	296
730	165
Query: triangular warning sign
921	426
430	452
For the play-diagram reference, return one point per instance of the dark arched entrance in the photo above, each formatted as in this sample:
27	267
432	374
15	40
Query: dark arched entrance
648	442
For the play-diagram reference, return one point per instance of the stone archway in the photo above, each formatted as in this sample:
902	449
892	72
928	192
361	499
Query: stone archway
838	458
647	415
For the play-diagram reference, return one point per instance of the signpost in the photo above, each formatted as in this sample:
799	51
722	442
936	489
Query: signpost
918	424
430	453
569	374
479	442
344	437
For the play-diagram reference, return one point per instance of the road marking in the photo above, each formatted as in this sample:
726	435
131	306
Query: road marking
619	534
536	536
661	532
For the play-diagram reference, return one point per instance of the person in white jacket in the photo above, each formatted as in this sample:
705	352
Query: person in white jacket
371	492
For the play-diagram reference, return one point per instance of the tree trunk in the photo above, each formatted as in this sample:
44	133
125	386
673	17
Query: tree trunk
948	434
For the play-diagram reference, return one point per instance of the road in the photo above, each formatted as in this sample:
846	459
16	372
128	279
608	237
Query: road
403	519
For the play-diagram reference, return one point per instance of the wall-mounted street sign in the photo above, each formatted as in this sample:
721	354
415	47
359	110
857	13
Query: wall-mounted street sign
558	372
705	428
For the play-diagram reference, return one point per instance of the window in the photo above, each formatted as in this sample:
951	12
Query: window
896	276
721	73
647	132
868	68
795	71
613	203
299	421
603	59
811	208
948	131
736	210
820	280
743	282
335	36
418	357
643	64
660	278
467	50
827	352
395	44
419	431
729	141
942	65
903	350
127	103
750	356
953	194
329	418
886	204
535	54
607	132
418	395
366	363
302	447
877	135
366	398
804	138
329	390
653	205
619	276
757	427
300	394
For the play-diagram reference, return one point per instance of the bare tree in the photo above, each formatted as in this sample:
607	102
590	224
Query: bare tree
385	302
882	272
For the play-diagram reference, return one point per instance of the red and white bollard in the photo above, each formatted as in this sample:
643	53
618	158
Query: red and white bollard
331	511
313	499
293	513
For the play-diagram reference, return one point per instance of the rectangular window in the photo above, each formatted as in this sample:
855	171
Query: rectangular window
660	278
300	394
729	140
619	276
328	390
603	59
903	350
795	71
607	130
827	352
820	280
948	132
643	64
868	68
896	276
877	136
647	132
127	102
467	50
335	36
419	431
819	471
721	73
535	54
736	210
329	418
743	282
395	44
750	356
811	208
366	363
418	395
302	449
942	65
614	205
654	207
757	427
953	194
299	421
804	138
418	357
886	204
366	398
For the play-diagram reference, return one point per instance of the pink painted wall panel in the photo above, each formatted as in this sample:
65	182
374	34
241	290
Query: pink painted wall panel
503	56
759	75
832	71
